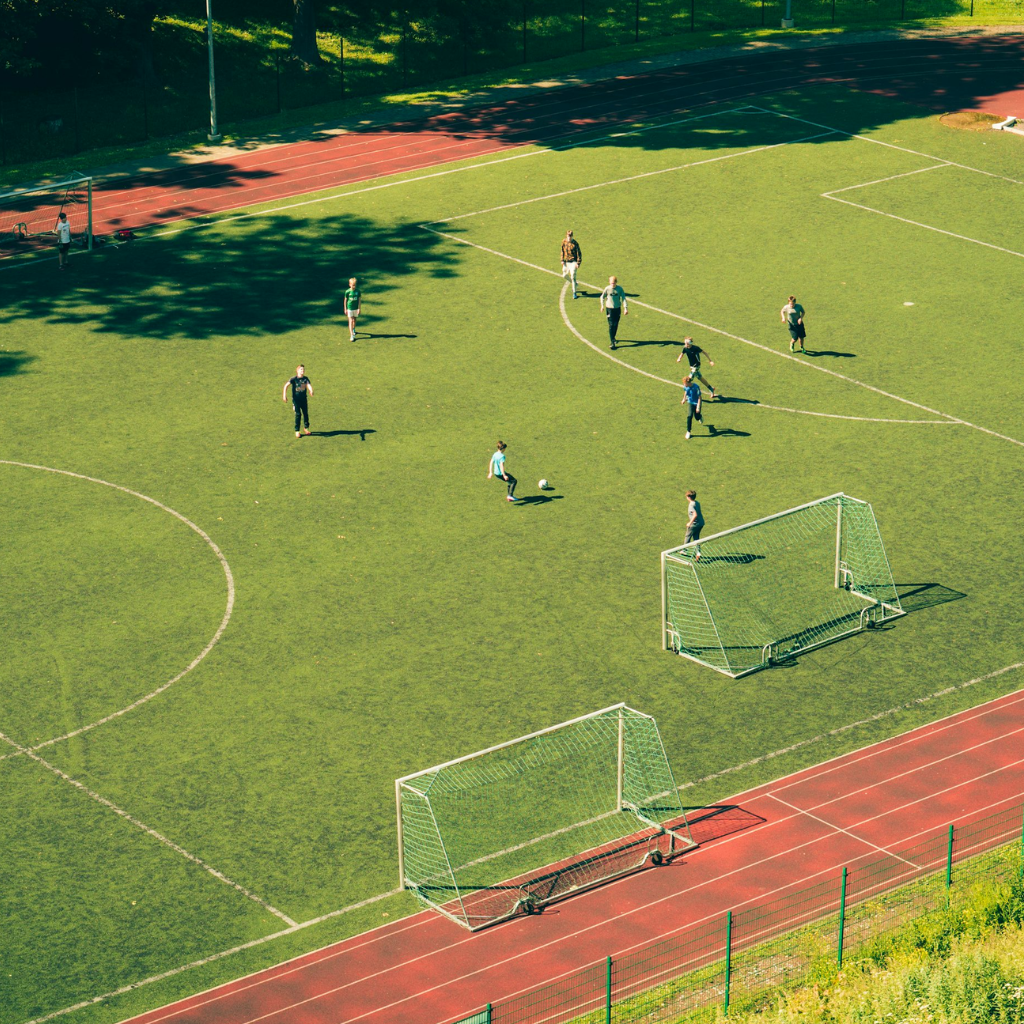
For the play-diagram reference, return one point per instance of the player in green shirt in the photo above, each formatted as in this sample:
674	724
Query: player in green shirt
353	297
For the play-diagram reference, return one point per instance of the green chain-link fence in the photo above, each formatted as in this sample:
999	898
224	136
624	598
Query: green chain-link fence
709	966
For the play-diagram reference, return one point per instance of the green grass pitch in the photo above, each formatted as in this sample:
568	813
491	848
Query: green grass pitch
391	609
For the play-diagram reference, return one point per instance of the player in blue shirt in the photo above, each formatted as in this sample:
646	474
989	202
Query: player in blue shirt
691	397
498	470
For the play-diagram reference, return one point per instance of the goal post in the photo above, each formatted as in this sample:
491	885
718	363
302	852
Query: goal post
29	214
777	587
511	828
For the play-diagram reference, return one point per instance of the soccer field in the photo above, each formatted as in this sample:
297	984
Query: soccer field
224	644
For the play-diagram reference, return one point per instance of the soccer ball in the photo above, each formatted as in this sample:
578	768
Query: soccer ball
543	485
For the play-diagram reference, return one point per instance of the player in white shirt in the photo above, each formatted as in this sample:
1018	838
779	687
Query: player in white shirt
62	230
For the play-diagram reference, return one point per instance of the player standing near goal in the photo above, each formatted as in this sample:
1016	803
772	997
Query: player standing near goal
792	314
62	229
301	386
353	298
498	469
613	302
572	258
694	522
691	397
693	354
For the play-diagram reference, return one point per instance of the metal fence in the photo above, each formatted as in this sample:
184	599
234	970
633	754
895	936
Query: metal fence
399	51
706	967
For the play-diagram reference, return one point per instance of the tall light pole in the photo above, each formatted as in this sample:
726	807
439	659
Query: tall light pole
214	134
787	21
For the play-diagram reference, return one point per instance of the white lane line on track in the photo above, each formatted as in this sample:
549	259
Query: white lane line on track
334	949
756	405
229	607
699	885
131	819
838	828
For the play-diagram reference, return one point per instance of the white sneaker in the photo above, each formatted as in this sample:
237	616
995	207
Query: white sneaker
687	435
297	434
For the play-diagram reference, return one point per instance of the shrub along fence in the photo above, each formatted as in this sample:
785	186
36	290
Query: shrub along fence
709	966
397	51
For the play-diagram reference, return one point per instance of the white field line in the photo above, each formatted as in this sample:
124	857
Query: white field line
228	577
887	145
921	224
745	341
718	878
756	405
839	730
630	177
838	828
891	177
131	819
426	917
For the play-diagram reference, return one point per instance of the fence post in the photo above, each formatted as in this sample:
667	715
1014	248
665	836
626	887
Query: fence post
583	25
405	47
489	1012
341	61
524	31
949	864
762	12
608	992
842	918
692	22
277	79
3	141
637	39
145	108
78	145
833	12
728	958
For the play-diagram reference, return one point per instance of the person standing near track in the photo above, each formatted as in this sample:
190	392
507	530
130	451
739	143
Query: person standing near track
792	314
693	354
301	387
62	229
613	302
353	298
572	259
499	470
691	398
694	522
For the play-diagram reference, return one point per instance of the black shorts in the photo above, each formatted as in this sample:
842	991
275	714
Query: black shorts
63	246
797	332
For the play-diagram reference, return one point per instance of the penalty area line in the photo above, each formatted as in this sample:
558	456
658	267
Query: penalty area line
132	820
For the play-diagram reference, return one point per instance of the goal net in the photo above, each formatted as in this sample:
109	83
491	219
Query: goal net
28	215
513	827
742	599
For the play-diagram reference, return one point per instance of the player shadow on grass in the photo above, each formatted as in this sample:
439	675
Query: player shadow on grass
239	283
826	352
343	433
539	499
12	363
369	335
915	597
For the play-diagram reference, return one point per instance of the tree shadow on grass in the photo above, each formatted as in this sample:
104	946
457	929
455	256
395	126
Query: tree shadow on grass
12	363
252	278
915	597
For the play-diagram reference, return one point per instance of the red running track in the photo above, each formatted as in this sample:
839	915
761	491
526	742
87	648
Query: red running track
985	73
425	969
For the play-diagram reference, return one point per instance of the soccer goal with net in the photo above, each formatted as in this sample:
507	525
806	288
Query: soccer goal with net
763	592
28	215
511	828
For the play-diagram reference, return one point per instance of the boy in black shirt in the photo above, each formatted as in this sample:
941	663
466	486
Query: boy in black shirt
693	354
301	386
